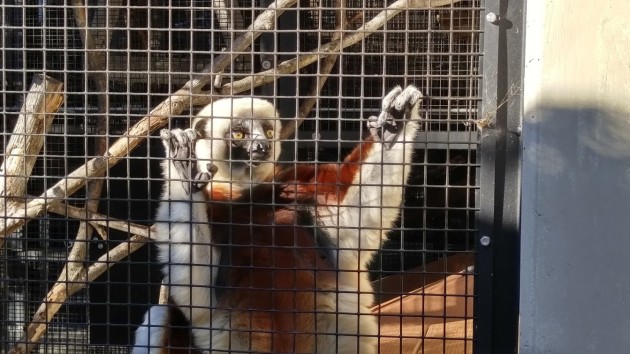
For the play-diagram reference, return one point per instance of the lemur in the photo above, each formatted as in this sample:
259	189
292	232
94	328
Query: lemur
267	258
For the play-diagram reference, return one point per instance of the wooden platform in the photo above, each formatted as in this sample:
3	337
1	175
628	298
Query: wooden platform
435	319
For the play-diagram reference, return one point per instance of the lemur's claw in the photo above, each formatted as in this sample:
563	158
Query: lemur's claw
397	105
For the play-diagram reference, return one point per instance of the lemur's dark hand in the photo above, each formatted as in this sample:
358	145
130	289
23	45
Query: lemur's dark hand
180	148
397	106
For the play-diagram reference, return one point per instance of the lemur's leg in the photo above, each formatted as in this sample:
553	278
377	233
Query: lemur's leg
184	233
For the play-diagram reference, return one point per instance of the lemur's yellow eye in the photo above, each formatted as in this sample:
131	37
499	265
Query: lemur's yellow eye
237	134
269	133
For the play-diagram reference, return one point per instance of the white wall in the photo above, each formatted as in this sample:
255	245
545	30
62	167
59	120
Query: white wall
575	284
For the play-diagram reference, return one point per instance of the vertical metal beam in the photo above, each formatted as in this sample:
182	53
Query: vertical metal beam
497	289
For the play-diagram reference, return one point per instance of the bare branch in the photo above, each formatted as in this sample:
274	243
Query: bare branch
326	67
62	290
292	65
157	118
101	220
164	294
35	119
75	269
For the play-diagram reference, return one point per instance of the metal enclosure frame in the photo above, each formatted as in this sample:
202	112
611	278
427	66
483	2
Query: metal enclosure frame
498	220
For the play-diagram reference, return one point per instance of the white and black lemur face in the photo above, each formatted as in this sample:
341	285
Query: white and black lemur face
240	137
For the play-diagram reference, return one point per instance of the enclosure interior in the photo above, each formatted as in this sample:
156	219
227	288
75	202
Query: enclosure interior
146	50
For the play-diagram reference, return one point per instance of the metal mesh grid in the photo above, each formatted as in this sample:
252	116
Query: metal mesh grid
148	50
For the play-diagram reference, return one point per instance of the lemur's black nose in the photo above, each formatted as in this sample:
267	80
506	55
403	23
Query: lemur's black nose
260	147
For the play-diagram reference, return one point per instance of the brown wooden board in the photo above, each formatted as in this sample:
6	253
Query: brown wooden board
440	313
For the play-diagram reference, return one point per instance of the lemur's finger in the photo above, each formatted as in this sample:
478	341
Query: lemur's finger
165	135
180	138
181	169
390	97
191	135
408	98
373	122
183	173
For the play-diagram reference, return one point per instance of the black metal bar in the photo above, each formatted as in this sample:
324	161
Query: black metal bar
497	286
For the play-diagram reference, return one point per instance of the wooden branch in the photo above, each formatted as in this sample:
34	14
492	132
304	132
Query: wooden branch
164	294
156	119
292	65
230	18
97	65
96	71
101	220
104	21
75	270
34	121
325	68
62	290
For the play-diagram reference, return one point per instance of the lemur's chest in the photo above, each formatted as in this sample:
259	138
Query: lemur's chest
260	243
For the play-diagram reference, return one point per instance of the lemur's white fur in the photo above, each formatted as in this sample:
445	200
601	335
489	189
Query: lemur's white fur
357	226
149	335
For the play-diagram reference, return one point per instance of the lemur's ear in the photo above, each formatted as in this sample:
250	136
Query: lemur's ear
199	127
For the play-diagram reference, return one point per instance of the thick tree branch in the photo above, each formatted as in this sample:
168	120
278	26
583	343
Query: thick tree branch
35	119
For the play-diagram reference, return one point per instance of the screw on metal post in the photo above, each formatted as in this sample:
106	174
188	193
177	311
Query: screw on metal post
484	241
266	64
492	18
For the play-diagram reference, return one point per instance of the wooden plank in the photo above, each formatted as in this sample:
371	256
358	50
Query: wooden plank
453	337
405	320
393	286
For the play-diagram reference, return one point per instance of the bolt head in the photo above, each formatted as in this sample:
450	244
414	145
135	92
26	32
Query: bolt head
266	64
492	17
484	241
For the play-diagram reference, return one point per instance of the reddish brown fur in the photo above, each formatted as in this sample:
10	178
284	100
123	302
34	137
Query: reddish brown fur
273	273
222	192
328	183
275	267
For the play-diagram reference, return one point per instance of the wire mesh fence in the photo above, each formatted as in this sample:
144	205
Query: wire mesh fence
87	85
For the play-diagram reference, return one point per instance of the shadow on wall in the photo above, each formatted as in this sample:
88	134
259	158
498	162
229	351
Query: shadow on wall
575	230
571	142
